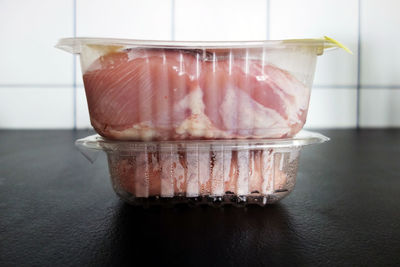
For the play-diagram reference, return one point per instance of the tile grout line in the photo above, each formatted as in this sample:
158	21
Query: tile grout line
74	67
267	33
361	87
358	67
316	86
172	20
32	85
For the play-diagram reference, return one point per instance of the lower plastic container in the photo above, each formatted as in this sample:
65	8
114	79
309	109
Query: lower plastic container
238	172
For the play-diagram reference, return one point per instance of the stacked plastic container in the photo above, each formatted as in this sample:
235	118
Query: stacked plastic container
199	122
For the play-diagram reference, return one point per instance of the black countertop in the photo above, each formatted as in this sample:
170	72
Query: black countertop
58	209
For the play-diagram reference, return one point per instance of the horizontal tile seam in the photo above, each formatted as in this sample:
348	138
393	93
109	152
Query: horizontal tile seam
32	85
317	86
368	86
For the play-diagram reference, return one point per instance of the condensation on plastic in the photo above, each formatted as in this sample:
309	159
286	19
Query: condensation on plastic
171	90
238	172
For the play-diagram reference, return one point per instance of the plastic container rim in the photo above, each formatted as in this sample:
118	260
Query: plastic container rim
303	138
74	44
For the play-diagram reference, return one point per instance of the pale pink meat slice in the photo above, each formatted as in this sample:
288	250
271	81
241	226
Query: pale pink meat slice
139	86
154	172
255	173
217	171
280	178
122	172
179	170
249	99
160	94
191	174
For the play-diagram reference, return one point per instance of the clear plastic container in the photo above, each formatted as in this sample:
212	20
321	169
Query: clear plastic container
219	172
169	90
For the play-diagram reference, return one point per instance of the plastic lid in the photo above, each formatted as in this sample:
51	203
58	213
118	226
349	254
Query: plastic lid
74	45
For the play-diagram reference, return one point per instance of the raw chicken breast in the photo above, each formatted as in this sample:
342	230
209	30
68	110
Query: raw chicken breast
165	94
136	94
190	173
248	99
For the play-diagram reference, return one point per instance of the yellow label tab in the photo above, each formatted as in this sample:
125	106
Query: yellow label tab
335	43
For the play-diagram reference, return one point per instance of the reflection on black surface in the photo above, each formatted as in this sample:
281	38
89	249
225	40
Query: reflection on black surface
202	235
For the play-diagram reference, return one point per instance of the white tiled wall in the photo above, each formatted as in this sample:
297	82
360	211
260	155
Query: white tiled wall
380	107
380	33
82	112
334	18
28	32
137	19
41	87
333	107
36	107
220	20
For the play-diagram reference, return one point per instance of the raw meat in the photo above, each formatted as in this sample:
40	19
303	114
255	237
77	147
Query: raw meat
192	174
134	95
251	100
165	94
